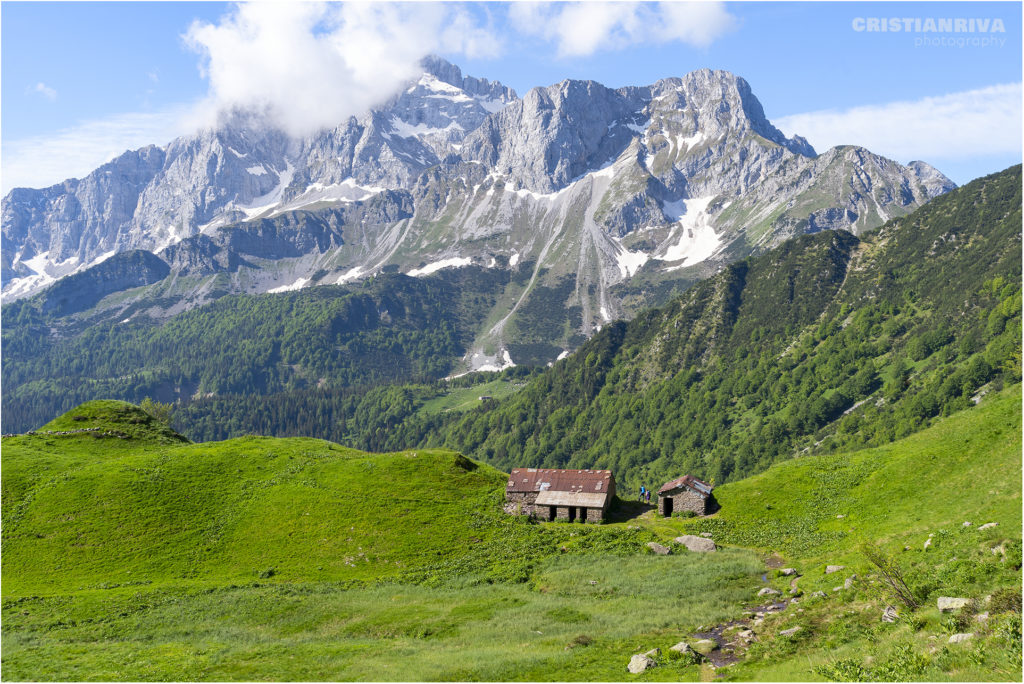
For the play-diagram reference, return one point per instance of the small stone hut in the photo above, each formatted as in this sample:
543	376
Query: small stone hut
686	493
549	494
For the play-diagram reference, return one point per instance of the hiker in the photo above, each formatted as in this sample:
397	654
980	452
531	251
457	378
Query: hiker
647	494
641	499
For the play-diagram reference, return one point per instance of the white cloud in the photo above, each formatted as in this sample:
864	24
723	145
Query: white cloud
309	66
962	125
583	28
45	90
44	160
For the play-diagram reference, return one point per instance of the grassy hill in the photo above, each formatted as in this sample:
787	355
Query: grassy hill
130	554
821	510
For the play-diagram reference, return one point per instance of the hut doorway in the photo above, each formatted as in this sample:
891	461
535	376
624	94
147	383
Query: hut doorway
552	512
583	515
572	513
668	507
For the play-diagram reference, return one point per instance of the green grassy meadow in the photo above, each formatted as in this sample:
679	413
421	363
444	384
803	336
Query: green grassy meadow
130	554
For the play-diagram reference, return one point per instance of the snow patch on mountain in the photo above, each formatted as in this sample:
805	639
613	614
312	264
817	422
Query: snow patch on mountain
503	360
630	262
452	262
349	275
407	130
696	238
492	105
297	285
265	203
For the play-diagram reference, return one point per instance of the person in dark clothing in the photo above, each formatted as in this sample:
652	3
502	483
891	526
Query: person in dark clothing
641	499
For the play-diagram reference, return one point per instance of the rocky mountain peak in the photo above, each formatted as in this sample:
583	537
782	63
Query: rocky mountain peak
723	103
480	88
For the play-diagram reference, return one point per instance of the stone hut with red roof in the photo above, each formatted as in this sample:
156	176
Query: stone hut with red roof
686	493
550	494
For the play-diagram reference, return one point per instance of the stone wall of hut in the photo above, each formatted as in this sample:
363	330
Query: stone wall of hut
522	503
683	499
525	503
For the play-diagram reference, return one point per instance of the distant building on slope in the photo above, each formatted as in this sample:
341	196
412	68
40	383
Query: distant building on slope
548	494
686	493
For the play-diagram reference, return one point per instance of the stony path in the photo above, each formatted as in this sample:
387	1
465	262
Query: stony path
727	636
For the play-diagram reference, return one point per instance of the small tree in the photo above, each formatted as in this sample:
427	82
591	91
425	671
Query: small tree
892	574
159	412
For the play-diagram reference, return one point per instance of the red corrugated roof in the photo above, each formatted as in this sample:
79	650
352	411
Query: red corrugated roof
699	486
553	480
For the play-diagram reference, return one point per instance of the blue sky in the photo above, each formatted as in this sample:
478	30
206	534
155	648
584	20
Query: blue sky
82	81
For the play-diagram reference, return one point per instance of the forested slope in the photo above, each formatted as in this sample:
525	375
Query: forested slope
391	329
827	341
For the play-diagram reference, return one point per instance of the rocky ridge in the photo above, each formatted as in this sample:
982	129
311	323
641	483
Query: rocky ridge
600	200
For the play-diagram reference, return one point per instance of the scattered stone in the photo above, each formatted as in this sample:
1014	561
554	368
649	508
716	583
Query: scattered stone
593	582
658	548
848	584
837	589
705	646
967	523
795	600
653	653
768	591
840	516
959	638
948	604
759	614
695	543
927	543
829	569
819	594
706	534
794	591
889	614
640	663
682	647
788	572
747	634
981	617
906	548
999	550
789	632
988	525
758	621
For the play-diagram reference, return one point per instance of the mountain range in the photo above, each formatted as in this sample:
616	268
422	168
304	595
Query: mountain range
595	203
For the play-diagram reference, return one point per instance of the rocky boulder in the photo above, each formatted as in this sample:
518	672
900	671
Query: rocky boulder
639	663
659	549
948	604
695	543
960	638
705	646
829	569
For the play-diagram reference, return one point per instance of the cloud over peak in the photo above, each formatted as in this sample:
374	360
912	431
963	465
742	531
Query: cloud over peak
308	66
